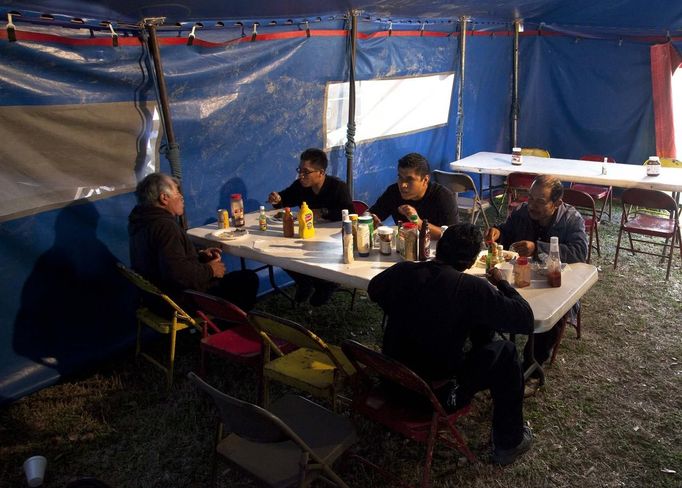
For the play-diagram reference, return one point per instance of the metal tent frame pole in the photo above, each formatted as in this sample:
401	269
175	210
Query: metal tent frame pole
460	92
350	133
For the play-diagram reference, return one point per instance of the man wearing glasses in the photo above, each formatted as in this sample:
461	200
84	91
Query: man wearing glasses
326	196
528	230
416	194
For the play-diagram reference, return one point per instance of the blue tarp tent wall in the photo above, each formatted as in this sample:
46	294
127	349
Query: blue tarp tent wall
79	124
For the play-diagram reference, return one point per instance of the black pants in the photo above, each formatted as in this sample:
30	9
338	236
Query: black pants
495	366
238	287
305	280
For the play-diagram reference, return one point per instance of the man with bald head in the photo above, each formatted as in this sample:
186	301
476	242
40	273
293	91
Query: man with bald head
528	230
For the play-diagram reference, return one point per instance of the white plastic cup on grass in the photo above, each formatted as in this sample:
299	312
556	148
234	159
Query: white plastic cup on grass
34	467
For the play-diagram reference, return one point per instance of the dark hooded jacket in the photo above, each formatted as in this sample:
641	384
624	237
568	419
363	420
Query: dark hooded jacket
161	251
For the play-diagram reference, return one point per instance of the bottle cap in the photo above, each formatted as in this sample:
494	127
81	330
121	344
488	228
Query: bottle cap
516	149
414	218
554	240
236	196
654	158
522	260
262	208
287	209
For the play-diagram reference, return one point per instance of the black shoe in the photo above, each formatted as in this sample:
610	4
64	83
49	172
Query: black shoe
303	292
322	294
504	457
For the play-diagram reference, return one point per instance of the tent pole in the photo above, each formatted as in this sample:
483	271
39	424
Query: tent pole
460	91
350	132
172	151
515	86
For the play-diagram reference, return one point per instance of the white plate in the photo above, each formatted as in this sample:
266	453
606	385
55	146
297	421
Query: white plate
508	256
230	234
277	217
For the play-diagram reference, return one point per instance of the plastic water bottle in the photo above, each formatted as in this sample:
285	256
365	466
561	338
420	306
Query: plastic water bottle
262	219
554	263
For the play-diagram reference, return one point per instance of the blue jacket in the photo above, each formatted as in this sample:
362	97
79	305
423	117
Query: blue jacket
568	225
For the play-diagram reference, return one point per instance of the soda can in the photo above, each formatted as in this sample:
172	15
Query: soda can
223	219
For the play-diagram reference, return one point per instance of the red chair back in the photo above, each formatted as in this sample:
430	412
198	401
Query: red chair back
360	207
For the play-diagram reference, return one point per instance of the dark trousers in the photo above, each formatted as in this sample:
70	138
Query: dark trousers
309	281
495	366
239	287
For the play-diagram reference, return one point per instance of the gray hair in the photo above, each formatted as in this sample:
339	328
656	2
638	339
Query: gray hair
150	189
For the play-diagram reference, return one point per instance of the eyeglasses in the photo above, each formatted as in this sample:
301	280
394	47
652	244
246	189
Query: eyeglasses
306	172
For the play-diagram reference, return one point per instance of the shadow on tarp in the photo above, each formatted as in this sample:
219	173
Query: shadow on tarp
75	306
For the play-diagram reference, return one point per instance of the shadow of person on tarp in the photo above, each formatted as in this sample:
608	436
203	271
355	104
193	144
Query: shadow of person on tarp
233	185
75	306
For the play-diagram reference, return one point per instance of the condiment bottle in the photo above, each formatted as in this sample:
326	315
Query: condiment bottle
262	219
517	156
363	240
367	218
223	219
424	241
489	256
385	234
521	272
354	221
306	228
347	241
410	235
554	263
288	223
237	205
653	166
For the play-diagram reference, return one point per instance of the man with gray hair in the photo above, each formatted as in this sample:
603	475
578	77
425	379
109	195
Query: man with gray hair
161	251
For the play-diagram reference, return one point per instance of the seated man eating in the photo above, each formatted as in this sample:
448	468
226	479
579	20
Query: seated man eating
434	309
416	194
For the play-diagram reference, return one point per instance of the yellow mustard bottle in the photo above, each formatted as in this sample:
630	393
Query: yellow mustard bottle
306	230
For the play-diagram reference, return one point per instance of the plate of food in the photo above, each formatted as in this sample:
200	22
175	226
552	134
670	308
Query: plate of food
507	255
230	234
278	217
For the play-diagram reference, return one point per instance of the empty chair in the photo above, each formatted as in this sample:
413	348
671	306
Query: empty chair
360	207
535	151
428	423
292	444
462	183
240	342
176	319
517	188
314	367
638	219
597	192
584	203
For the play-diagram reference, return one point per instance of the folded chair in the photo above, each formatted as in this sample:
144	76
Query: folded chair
427	425
462	183
360	207
315	367
646	223
292	444
597	192
584	203
169	324
517	188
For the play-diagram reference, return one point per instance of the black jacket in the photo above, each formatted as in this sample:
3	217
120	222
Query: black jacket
333	197
437	205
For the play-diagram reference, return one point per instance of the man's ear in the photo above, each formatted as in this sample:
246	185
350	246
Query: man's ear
427	177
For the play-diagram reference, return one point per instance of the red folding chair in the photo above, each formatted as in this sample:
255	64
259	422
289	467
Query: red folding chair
428	425
636	221
517	188
584	203
240	342
597	192
360	207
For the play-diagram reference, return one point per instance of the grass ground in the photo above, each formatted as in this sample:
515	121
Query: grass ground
609	415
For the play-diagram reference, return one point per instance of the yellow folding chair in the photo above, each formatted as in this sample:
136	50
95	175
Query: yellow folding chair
176	320
315	367
535	151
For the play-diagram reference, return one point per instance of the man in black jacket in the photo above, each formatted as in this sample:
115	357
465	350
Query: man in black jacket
434	309
161	251
326	196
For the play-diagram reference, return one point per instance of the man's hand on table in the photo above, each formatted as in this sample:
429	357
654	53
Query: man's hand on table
524	248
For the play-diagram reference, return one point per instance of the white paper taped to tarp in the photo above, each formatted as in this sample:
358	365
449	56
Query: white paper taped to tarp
389	107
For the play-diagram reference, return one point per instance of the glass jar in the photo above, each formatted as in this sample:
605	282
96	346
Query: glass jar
237	206
517	157
521	272
653	166
410	238
385	234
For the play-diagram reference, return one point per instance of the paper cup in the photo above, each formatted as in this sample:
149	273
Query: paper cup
507	270
34	467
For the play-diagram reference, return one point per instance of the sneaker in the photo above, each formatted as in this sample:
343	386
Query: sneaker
323	294
303	292
504	457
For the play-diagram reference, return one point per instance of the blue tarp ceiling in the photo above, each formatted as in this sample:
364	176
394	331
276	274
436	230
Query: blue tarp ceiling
653	16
